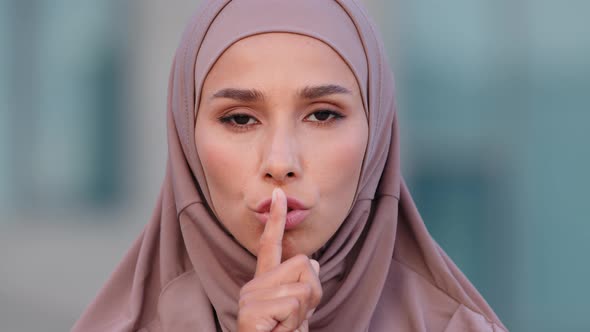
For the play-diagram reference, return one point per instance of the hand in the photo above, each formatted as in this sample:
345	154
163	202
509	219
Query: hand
282	296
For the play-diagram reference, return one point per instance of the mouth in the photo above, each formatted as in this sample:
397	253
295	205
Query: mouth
296	212
292	204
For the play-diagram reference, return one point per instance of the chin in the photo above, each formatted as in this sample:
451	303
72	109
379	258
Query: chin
291	249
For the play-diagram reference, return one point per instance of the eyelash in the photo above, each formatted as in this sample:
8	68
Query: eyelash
229	119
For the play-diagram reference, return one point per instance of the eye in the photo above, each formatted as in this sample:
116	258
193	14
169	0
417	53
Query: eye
239	121
324	116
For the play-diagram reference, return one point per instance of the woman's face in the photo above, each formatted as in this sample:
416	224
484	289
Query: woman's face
281	110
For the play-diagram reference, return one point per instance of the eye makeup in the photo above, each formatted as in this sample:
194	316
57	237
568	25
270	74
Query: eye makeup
243	121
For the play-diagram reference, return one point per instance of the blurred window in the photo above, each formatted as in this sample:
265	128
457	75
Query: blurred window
61	70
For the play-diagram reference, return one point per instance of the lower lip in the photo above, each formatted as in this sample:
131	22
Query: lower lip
294	218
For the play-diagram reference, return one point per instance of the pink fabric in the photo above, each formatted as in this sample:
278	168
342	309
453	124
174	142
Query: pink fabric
381	271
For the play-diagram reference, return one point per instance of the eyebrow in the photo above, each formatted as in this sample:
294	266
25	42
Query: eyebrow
253	95
244	95
314	92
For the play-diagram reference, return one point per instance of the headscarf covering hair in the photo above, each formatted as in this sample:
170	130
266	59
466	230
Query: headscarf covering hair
380	271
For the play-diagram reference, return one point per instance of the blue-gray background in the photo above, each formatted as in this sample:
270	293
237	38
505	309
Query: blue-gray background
494	112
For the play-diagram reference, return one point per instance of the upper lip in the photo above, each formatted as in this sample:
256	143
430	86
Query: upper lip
292	204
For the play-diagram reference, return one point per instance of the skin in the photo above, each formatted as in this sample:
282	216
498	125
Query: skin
303	130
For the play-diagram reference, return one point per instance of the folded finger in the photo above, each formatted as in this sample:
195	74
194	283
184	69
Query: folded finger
301	291
297	269
277	315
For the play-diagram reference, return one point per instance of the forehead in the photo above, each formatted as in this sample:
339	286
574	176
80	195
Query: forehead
274	60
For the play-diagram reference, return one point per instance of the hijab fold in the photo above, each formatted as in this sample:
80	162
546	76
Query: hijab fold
380	271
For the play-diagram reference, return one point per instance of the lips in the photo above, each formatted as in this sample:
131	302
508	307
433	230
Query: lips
292	204
296	212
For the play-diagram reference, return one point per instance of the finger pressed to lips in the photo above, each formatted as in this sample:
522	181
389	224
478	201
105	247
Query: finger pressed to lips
289	290
271	241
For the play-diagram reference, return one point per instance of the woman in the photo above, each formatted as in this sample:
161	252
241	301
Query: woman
283	206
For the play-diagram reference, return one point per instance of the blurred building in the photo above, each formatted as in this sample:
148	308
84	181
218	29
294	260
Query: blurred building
493	102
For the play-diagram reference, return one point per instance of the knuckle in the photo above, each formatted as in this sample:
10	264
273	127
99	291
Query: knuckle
243	292
245	314
246	289
306	290
243	301
301	261
293	303
315	294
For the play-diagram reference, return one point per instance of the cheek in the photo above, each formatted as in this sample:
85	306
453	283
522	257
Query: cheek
350	157
347	160
339	166
226	164
342	160
219	160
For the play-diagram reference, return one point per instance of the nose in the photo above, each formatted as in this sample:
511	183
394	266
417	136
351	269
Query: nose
280	160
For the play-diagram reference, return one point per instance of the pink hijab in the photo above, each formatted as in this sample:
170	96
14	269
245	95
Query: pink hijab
381	271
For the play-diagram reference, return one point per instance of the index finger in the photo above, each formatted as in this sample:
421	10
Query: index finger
270	248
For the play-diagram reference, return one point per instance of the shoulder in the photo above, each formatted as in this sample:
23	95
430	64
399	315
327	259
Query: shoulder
414	303
183	305
465	319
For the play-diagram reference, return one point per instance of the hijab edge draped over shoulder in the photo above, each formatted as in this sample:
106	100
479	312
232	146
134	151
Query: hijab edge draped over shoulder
381	270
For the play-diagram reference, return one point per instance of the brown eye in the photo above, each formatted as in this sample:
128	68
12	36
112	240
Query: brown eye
241	119
238	120
324	116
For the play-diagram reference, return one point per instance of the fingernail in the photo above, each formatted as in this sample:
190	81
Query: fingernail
316	266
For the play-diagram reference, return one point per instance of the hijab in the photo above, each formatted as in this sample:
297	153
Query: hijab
380	271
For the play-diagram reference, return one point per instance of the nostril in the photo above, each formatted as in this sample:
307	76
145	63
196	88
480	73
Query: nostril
270	176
